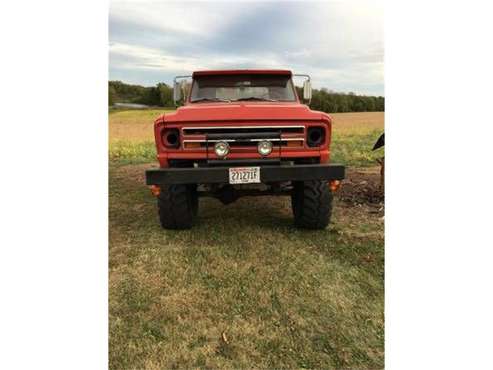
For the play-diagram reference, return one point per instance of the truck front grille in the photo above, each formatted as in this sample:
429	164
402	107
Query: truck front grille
243	136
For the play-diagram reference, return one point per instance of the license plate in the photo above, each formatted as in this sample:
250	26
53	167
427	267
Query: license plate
244	175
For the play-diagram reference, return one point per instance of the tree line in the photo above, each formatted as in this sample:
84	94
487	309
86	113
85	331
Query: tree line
322	100
160	95
334	102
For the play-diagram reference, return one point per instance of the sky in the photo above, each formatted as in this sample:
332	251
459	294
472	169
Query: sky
338	43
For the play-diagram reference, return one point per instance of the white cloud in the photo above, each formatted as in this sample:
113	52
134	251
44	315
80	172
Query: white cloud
198	18
138	57
339	43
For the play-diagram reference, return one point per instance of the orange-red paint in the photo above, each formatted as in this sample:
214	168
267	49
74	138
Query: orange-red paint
155	190
334	185
245	113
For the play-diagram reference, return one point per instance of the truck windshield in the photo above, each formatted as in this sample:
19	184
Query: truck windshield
242	87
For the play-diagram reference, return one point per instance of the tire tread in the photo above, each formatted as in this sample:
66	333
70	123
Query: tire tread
312	204
177	206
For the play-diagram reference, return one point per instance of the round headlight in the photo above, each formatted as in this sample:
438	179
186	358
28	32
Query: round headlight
222	149
264	148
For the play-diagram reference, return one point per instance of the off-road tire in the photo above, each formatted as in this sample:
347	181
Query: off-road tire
312	204
177	206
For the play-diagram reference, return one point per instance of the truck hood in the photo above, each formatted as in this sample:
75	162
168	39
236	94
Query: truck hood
242	112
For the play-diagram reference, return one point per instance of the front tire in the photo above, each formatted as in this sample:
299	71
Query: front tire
177	206
312	204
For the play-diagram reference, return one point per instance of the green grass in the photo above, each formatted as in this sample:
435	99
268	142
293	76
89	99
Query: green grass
282	297
355	150
132	152
285	298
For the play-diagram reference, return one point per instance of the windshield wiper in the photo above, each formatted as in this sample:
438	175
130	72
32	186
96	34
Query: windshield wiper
211	99
255	98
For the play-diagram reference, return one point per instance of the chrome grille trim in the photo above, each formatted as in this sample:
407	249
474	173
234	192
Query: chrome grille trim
235	127
203	130
233	140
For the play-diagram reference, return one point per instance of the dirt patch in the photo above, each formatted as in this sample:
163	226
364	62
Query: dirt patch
362	186
135	172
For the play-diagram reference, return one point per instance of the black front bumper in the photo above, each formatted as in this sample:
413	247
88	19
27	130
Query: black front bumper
217	175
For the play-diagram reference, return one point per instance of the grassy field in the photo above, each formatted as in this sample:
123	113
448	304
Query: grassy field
131	136
244	288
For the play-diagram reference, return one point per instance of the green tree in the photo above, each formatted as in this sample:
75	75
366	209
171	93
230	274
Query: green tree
111	95
165	95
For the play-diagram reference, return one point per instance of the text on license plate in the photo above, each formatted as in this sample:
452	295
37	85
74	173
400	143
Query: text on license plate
244	175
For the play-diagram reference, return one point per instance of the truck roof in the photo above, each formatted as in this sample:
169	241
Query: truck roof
243	71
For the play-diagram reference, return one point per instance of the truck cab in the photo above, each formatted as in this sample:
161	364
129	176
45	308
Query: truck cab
239	133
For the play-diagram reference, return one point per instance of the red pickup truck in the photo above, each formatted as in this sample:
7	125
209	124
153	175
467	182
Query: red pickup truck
243	133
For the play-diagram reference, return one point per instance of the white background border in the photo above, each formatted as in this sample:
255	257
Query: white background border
439	134
54	185
54	197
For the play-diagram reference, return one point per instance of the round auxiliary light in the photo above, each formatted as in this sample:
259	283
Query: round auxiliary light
264	148
222	149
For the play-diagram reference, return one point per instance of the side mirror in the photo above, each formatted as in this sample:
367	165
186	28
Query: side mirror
176	92
307	91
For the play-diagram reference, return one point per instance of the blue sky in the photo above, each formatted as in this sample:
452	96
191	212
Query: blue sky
339	43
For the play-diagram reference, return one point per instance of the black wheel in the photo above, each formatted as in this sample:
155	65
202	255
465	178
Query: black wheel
312	204
177	206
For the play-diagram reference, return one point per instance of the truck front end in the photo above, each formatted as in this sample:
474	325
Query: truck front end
243	132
